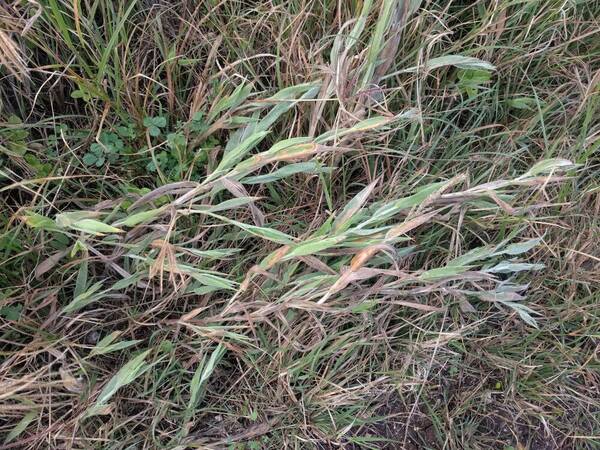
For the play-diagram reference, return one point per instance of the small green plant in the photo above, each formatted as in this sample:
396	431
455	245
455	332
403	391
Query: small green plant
175	154
524	103
82	94
471	81
14	142
154	125
11	312
198	124
13	138
108	149
87	91
180	159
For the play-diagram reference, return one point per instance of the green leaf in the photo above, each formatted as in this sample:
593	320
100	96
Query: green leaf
80	93
126	131
236	154
106	346
159	121
148	121
137	218
11	312
21	426
526	103
126	375
232	204
286	171
286	143
35	220
203	290
201	375
471	80
126	282
460	61
231	101
314	246
82	278
546	166
385	211
89	296
215	281
78	247
94	227
377	43
263	232
359	25
67	219
347	216
89	159
176	141
509	267
108	339
477	254
520	247
114	31
443	272
213	254
154	124
97	149
282	101
471	77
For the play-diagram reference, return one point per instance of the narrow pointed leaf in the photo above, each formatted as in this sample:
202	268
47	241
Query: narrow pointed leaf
127	374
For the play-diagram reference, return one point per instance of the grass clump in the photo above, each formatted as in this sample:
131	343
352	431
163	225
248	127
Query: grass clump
299	224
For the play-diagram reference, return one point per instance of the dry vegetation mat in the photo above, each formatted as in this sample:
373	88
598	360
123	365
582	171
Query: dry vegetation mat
357	224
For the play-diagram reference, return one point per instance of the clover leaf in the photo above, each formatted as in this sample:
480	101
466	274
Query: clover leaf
154	124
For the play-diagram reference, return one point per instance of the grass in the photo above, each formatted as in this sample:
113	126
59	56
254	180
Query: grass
301	224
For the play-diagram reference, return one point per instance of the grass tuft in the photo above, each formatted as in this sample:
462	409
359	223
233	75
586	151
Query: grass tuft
246	225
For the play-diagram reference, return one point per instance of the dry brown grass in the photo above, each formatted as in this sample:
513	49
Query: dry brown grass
362	271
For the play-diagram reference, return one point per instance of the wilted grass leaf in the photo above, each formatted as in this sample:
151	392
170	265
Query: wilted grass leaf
524	312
